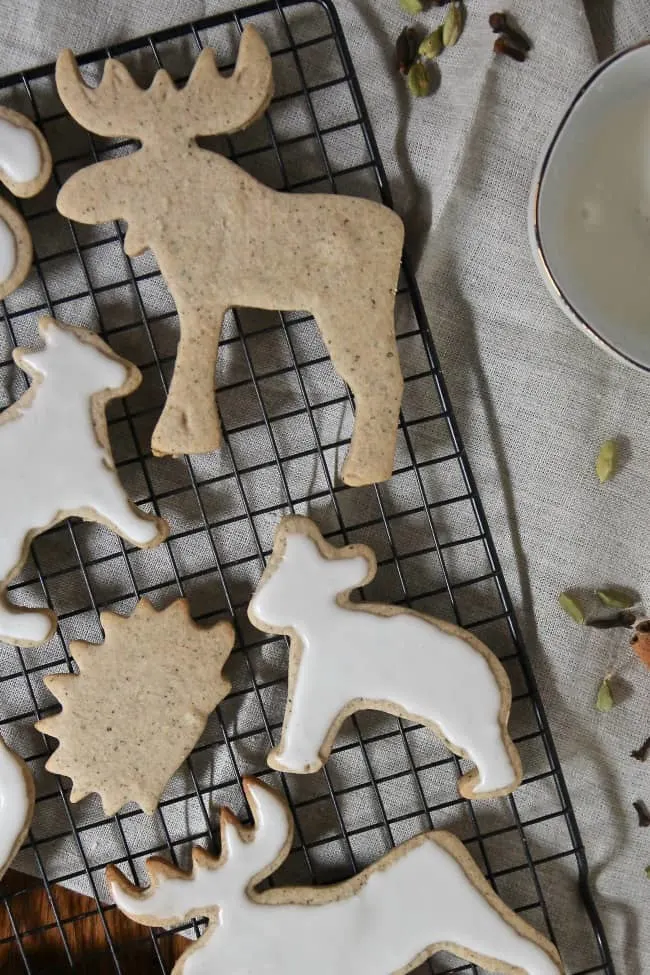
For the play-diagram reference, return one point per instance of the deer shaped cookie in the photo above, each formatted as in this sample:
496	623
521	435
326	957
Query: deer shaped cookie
55	459
25	167
223	239
426	896
346	657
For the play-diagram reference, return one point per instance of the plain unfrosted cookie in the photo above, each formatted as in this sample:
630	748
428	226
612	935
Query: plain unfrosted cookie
25	168
16	804
56	461
425	896
139	703
222	239
346	657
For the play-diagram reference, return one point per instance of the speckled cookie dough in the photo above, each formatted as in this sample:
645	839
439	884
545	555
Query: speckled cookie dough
139	703
223	239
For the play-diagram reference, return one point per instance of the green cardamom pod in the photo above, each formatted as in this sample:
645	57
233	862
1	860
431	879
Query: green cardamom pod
413	7
452	26
606	461
605	700
615	598
418	80
647	872
571	606
432	45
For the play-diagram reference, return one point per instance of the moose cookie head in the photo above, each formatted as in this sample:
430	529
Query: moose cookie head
347	656
423	897
222	239
298	573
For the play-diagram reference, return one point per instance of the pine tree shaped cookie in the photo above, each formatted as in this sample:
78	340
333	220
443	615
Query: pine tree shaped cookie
139	703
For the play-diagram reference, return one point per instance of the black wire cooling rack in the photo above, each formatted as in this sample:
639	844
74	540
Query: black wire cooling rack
287	420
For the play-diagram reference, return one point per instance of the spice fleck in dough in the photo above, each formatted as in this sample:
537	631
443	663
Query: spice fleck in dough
139	703
222	239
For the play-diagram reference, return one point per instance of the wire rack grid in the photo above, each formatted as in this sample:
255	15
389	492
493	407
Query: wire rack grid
287	421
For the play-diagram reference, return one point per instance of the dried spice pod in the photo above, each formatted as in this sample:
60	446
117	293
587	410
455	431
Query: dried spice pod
605	700
503	46
642	813
500	24
642	752
413	7
606	460
453	25
406	50
418	80
572	607
640	642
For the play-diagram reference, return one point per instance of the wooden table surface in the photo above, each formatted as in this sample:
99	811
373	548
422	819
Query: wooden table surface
43	952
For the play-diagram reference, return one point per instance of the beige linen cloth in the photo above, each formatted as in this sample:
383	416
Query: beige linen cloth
534	397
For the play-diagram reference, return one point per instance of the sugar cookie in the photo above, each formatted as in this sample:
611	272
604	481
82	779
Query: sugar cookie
56	461
425	896
139	703
222	239
346	657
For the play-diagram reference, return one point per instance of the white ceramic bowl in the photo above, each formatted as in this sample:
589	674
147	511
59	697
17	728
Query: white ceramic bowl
589	214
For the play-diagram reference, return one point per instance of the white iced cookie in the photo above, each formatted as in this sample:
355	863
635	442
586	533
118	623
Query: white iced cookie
16	804
56	461
425	896
347	657
25	168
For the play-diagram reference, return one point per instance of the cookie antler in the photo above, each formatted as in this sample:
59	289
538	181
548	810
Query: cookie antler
208	105
247	856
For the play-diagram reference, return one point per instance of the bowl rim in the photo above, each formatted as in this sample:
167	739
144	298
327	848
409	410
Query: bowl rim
536	240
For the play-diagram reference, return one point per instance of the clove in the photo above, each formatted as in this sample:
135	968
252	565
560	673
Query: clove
406	50
503	46
642	813
501	25
641	753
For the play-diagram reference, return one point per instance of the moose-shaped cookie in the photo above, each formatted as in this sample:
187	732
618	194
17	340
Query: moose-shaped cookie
56	461
223	239
345	657
425	896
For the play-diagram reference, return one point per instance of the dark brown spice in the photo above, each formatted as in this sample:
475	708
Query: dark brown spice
641	753
406	50
503	46
642	813
624	619
501	25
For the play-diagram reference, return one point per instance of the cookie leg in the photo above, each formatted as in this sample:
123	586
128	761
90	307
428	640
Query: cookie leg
25	627
189	423
367	359
498	769
128	521
309	724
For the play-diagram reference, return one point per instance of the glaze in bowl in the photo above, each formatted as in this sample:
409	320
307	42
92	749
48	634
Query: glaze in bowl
589	216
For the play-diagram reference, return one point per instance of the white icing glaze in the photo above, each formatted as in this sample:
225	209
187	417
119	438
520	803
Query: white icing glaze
409	901
53	465
351	655
7	251
20	154
15	804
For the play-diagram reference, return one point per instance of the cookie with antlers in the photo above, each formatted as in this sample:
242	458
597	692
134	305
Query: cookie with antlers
223	239
25	168
425	896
